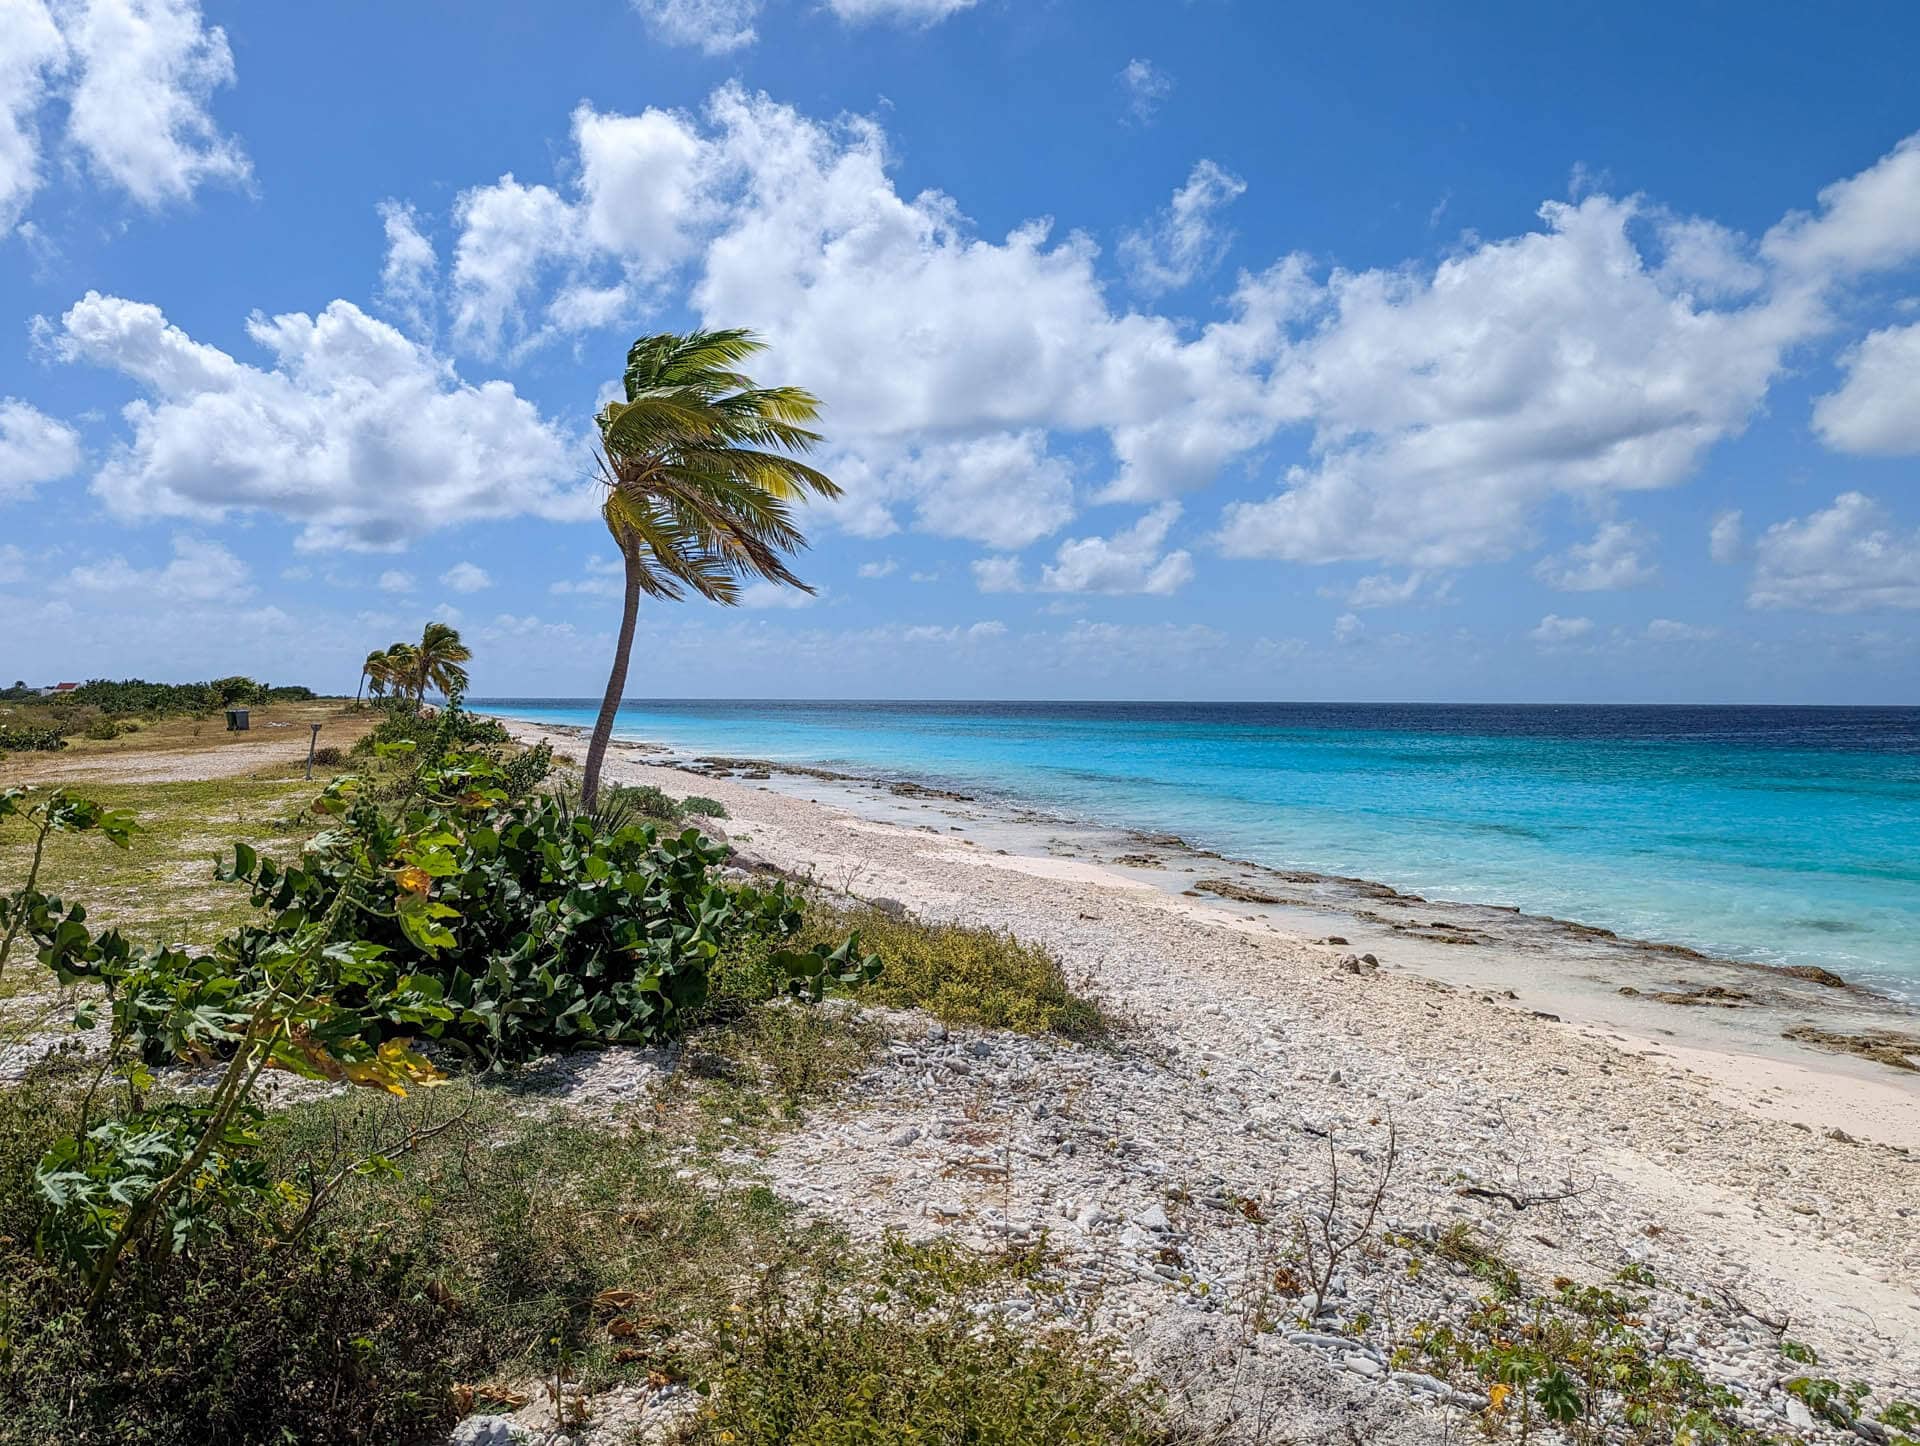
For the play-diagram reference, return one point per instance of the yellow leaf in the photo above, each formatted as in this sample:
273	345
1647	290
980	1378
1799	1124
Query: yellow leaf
414	880
1497	1396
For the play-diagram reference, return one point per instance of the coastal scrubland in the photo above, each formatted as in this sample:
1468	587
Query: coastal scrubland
372	1265
708	1114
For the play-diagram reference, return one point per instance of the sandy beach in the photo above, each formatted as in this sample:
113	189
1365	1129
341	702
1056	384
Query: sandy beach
1772	1190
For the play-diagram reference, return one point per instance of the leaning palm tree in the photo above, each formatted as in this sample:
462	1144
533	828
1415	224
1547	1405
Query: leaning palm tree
436	661
701	472
372	676
400	668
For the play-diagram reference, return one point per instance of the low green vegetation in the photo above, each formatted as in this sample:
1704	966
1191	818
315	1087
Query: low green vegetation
181	1263
502	1251
136	695
161	888
966	975
1574	1359
25	738
101	711
798	1366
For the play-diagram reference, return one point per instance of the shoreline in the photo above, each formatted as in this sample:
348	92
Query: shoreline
1756	1179
1661	996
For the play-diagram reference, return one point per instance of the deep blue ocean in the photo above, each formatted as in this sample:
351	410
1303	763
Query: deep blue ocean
1783	835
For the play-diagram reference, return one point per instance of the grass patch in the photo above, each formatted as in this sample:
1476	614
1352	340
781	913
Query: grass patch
764	1066
161	889
964	975
281	727
818	1373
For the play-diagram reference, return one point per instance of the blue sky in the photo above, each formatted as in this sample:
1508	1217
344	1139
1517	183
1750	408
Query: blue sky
1210	349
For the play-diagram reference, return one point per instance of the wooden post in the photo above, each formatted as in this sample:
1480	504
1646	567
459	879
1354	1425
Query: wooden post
312	738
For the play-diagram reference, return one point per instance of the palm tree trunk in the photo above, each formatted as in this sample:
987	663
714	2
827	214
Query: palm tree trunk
358	686
616	686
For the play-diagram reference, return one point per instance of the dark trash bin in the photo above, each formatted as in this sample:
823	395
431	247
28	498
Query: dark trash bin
237	720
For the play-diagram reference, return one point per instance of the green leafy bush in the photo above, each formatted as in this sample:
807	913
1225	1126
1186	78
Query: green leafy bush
102	729
695	805
501	927
644	799
248	1337
31	740
527	770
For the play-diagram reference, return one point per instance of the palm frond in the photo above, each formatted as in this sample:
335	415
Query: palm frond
701	467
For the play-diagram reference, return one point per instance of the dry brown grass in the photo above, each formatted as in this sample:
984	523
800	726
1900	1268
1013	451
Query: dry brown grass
182	749
195	790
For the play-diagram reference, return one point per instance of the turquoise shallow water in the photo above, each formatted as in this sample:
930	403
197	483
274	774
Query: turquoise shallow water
1782	835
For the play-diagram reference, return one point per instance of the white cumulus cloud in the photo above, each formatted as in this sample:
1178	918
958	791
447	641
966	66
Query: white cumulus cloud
1708	260
201	571
146	71
1877	408
466	577
1003	489
407	277
1186	240
360	436
1446	407
34	448
33	55
1867	222
133	78
1615	558
1554	631
1132	560
1846	558
716	27
970	379
642	184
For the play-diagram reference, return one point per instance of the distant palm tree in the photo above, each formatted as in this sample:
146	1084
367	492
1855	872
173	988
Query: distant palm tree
699	485
400	668
436	661
372	675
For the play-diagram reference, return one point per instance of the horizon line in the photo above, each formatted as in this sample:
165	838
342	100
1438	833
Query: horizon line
1179	702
